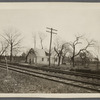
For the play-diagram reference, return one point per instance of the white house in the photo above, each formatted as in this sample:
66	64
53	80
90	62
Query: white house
40	56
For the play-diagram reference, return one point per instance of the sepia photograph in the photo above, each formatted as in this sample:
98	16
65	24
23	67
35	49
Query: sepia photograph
49	48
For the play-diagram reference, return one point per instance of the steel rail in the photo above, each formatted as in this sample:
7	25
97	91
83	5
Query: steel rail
26	69
61	71
54	78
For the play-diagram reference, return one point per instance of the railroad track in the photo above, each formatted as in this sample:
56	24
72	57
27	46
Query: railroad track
49	76
61	71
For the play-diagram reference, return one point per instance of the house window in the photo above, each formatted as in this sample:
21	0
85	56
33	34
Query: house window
42	59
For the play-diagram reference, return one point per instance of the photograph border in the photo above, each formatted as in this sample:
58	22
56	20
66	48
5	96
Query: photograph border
49	96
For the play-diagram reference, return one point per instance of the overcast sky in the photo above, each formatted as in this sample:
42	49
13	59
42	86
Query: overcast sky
68	18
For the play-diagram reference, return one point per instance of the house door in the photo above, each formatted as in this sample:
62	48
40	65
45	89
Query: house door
33	61
30	61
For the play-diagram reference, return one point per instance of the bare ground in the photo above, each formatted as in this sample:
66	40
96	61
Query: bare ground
21	83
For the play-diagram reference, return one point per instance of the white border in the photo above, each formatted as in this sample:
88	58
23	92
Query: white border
56	95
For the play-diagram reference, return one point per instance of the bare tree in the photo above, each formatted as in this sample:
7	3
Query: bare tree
59	53
3	49
13	38
61	48
86	57
66	50
97	53
42	36
4	46
58	47
77	42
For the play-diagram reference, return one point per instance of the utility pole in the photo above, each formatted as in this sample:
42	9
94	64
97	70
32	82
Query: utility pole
51	31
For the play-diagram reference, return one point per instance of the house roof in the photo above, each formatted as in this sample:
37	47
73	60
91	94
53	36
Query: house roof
40	52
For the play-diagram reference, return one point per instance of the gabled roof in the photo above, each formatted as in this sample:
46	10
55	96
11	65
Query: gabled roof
38	52
41	52
31	50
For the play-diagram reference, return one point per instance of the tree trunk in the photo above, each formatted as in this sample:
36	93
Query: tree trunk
11	52
59	58
73	61
41	44
0	58
73	57
63	60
